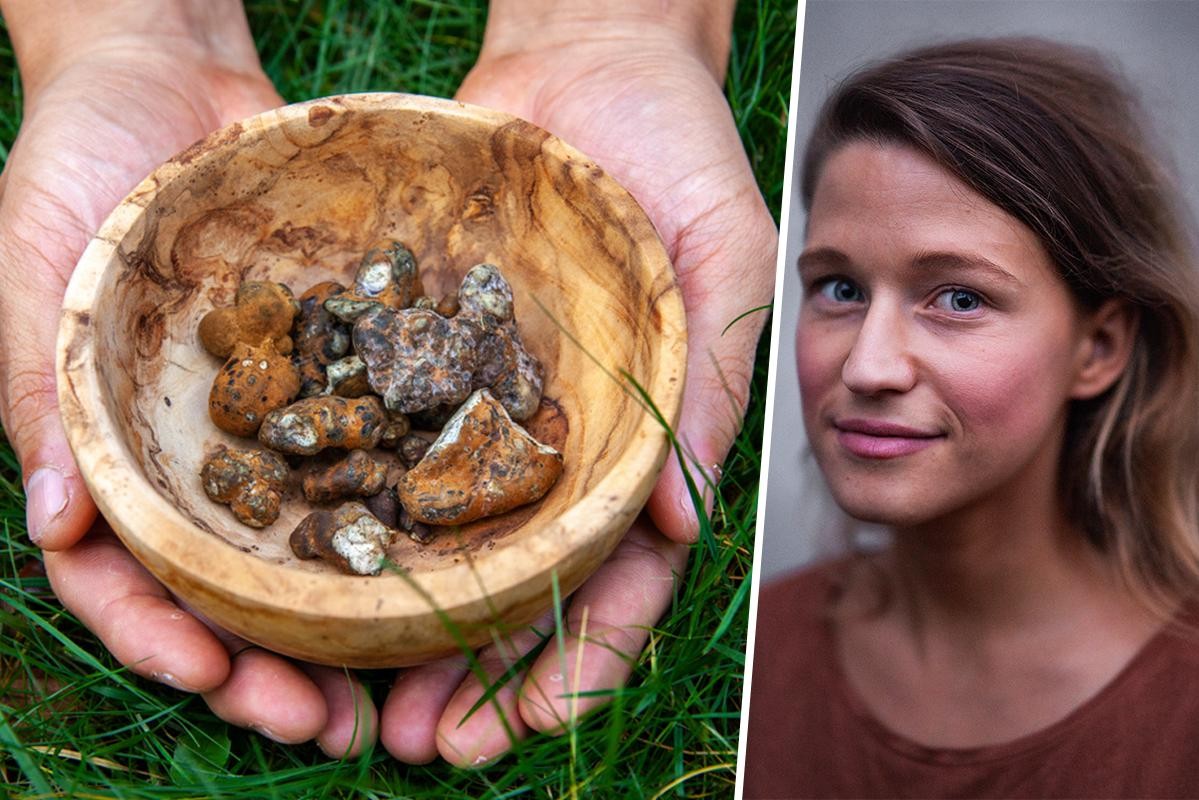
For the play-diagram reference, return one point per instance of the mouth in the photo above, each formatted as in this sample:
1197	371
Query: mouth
879	439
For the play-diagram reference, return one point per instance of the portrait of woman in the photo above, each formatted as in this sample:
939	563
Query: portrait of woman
997	353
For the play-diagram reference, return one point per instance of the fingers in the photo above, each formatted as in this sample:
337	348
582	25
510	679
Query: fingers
269	694
131	613
721	351
352	723
495	727
291	702
413	709
58	508
608	623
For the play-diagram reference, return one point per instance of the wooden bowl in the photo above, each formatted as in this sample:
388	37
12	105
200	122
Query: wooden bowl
297	195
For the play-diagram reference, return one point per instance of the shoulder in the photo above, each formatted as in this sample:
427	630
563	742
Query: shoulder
792	619
794	675
802	596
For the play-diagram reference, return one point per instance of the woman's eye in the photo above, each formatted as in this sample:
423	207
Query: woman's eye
959	301
840	290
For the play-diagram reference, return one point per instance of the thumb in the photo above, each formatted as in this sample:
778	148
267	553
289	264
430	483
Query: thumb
58	508
723	329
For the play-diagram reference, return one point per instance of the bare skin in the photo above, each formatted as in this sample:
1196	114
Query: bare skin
123	78
1001	618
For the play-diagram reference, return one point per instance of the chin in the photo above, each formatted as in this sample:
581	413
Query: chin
895	507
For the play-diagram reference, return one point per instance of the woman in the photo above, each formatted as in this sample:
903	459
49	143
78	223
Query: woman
999	361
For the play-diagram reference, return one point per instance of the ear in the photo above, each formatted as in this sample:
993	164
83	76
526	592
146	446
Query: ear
1109	334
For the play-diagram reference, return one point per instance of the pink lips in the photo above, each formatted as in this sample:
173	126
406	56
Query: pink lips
878	439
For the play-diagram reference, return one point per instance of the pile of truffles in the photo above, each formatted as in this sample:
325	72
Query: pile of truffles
342	374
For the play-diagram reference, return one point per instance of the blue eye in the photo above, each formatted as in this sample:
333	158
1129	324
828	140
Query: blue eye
840	290
960	301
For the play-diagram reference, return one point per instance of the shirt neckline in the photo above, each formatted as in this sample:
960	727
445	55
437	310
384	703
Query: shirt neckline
1043	738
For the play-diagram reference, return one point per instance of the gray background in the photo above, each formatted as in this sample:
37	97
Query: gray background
1156	42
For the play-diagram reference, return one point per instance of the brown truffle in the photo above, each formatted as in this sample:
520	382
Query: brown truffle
356	475
252	383
388	275
262	317
412	449
310	425
416	359
347	377
349	538
321	338
250	482
482	464
396	429
502	363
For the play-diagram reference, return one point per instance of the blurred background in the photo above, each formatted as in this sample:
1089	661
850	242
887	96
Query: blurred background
1154	44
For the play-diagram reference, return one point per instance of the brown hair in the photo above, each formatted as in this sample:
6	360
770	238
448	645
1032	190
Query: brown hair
1051	135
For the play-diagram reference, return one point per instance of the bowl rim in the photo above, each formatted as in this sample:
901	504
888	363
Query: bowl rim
163	538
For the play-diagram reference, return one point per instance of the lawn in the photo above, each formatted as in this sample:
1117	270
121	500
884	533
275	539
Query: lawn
73	724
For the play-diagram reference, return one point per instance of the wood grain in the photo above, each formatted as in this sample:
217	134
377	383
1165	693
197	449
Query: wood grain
297	195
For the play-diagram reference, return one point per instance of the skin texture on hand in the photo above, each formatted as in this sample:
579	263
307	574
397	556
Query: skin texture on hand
95	125
654	117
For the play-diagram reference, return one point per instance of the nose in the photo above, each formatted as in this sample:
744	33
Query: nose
880	359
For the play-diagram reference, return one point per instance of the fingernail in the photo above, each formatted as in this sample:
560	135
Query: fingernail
268	733
170	680
46	498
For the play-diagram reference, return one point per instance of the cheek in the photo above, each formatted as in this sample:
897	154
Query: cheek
818	361
1008	394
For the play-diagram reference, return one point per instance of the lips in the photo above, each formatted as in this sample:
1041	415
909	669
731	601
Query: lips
880	439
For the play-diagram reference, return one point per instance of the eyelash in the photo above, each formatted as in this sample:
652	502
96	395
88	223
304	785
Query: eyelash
827	286
951	291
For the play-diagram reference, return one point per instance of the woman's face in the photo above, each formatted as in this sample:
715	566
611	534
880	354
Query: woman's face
937	347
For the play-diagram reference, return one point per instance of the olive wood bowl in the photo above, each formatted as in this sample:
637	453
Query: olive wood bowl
297	195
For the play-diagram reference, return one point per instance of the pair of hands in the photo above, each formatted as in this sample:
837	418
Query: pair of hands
652	116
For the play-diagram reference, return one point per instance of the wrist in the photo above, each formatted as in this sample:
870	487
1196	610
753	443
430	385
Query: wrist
49	35
699	28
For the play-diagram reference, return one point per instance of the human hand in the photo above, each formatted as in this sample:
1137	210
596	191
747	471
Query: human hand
643	98
111	91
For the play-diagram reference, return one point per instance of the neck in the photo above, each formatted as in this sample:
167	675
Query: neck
994	567
1014	563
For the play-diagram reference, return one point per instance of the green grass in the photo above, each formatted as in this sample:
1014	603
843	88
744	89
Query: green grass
74	724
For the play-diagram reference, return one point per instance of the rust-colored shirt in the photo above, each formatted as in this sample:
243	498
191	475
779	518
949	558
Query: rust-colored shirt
810	736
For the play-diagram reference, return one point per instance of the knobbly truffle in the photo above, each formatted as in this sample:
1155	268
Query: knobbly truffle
349	538
388	275
412	449
482	464
262	317
310	425
250	482
503	364
320	339
519	382
385	506
398	426
347	377
356	475
416	359
252	383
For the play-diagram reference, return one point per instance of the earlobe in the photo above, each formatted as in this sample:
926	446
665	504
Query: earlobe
1104	351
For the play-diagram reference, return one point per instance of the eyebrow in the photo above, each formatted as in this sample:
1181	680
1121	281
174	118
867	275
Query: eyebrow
827	257
968	261
831	258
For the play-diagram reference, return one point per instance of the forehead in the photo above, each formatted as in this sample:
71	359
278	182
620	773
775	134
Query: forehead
879	202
